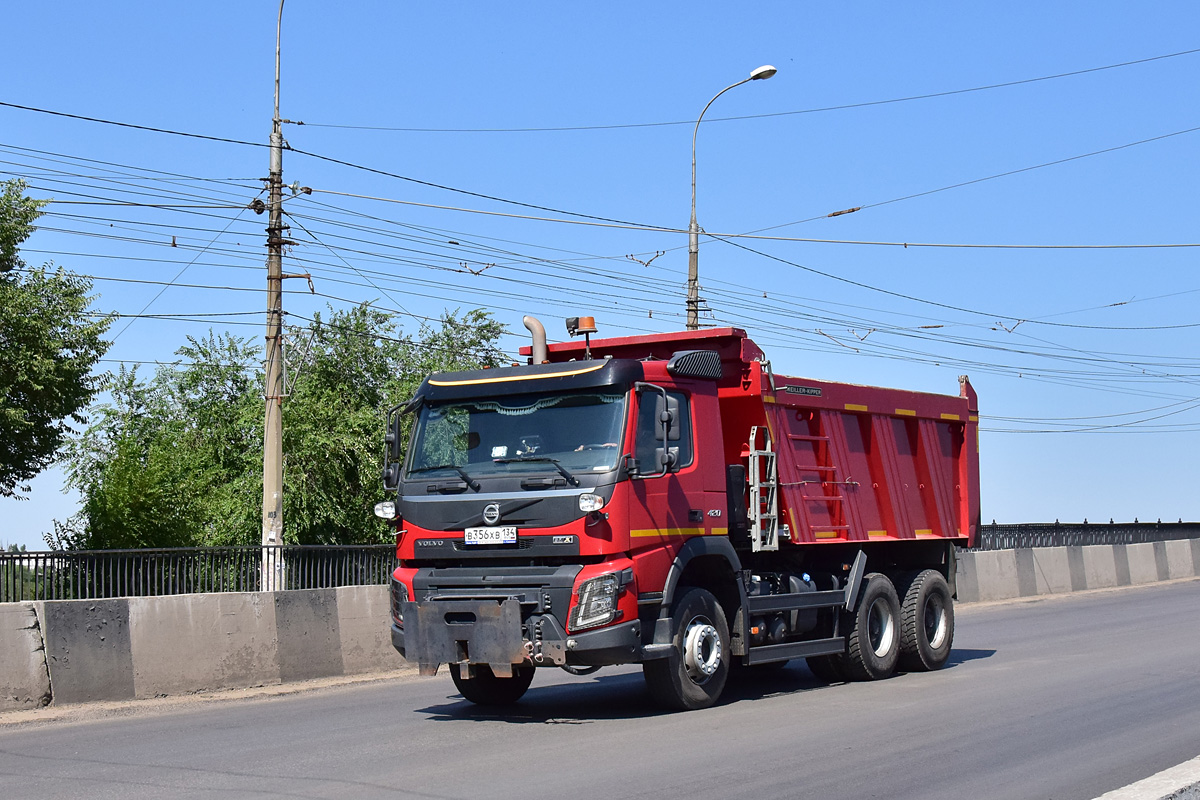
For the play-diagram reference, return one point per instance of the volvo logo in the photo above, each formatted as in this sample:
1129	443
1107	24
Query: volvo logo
491	513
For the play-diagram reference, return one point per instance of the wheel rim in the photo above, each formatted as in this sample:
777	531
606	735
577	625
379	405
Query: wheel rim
701	650
936	624
881	627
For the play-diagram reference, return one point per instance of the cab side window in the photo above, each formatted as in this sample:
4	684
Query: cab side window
649	435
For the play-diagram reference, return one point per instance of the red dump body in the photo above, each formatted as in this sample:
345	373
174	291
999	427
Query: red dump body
856	463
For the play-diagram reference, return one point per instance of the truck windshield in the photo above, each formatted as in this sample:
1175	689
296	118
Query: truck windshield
571	432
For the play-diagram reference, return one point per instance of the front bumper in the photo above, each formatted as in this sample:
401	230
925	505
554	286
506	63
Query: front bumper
487	632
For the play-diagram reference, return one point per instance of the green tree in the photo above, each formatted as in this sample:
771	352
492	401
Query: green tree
333	422
49	343
177	460
169	462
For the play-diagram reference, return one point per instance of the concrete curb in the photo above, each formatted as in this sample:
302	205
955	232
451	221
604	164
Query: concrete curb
1177	783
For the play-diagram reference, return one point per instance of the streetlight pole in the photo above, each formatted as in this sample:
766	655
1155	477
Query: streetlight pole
693	296
272	506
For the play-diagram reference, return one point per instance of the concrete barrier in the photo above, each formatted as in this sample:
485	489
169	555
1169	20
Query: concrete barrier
309	639
24	680
366	644
1099	567
988	575
1143	565
198	642
73	651
1006	574
1051	570
88	649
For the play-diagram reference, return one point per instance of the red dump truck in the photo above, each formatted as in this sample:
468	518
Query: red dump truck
667	500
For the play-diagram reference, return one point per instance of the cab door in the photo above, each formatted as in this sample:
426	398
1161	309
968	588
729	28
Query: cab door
685	497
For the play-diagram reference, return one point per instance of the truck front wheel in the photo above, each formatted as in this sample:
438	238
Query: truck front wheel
485	689
926	623
694	675
873	646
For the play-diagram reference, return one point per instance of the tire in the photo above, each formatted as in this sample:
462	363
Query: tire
926	623
485	689
831	669
873	646
694	675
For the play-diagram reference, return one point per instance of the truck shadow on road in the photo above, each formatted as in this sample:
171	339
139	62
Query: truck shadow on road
961	656
622	696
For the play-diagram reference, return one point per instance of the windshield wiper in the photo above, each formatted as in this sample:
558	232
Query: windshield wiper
540	459
474	484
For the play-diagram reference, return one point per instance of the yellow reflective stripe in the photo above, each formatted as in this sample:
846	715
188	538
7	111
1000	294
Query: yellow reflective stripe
950	416
855	407
876	534
924	532
669	532
973	418
768	398
825	534
537	377
904	412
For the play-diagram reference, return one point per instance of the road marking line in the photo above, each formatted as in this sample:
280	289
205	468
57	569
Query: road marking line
1177	783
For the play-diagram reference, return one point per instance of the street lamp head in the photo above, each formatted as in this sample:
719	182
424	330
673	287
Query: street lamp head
763	72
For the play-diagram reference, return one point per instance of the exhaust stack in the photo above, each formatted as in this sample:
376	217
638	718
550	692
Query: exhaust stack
538	352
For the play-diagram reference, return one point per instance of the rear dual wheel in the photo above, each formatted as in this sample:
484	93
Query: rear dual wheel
827	668
873	645
926	623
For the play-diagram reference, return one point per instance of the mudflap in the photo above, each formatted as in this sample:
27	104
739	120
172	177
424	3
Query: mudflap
450	631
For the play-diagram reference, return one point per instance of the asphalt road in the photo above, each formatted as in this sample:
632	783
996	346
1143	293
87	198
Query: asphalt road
1060	698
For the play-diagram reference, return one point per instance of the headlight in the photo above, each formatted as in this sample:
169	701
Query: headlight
597	603
399	596
385	510
590	502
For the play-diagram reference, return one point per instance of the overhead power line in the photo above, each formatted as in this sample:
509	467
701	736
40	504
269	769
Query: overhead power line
310	154
132	125
178	275
843	107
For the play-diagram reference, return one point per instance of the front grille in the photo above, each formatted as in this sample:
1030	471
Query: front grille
522	544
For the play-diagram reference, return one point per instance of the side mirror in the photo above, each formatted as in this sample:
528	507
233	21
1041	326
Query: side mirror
391	475
393	438
666	430
666	410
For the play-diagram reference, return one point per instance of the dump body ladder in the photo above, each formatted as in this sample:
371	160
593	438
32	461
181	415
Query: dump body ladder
764	493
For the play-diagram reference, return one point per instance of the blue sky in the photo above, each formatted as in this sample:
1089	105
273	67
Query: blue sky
1086	369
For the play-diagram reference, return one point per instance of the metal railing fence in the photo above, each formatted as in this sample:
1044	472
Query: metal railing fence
96	574
1069	534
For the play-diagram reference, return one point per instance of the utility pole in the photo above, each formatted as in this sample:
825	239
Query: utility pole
272	505
693	285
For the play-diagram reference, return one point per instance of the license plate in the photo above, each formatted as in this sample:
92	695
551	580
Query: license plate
505	534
